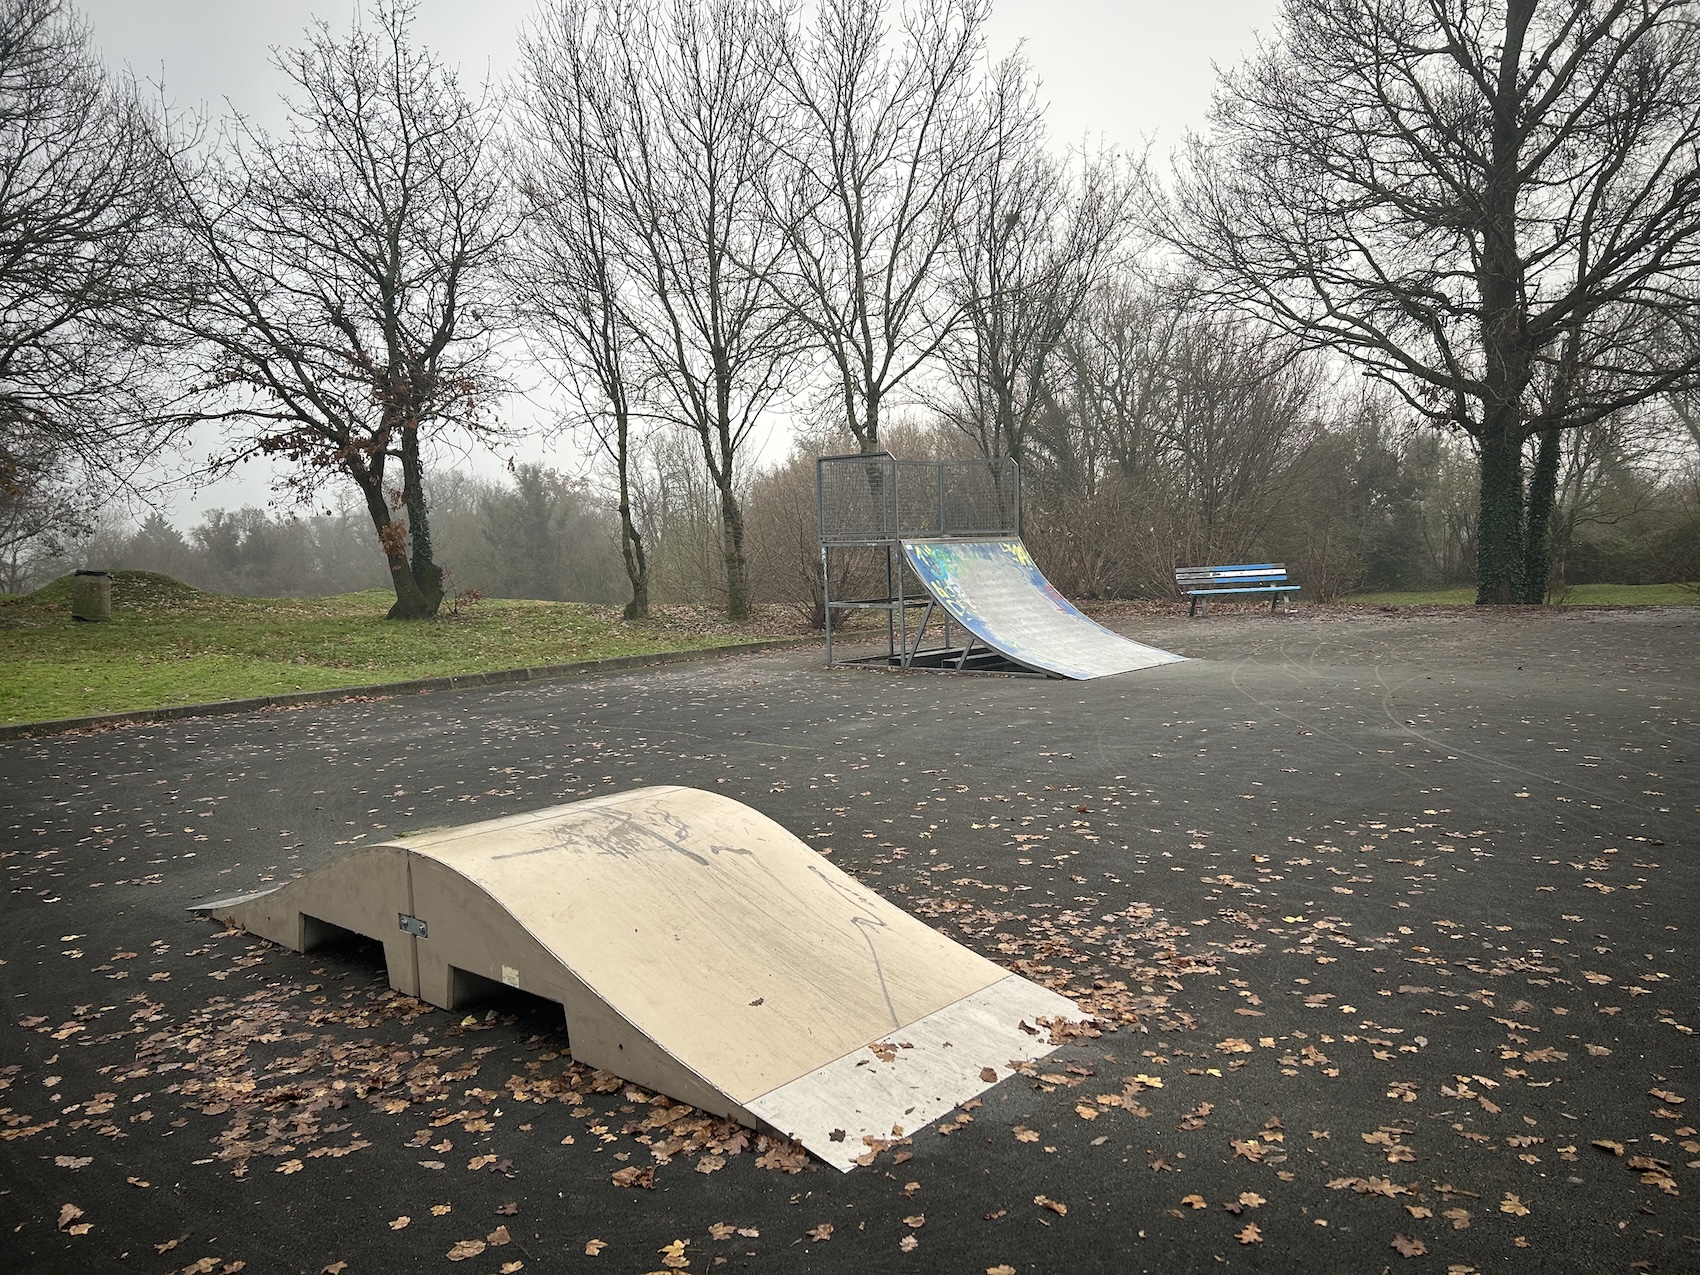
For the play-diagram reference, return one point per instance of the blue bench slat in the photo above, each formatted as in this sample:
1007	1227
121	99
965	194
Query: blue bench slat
1265	588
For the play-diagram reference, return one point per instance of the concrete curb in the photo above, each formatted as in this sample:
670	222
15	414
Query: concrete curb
419	686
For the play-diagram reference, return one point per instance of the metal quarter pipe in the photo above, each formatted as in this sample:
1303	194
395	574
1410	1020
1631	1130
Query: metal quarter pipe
992	588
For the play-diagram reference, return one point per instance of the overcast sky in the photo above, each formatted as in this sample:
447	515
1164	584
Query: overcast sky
1129	72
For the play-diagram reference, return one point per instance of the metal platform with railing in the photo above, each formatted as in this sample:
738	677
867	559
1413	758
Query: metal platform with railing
867	505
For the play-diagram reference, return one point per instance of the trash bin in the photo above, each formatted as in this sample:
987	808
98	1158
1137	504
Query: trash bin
91	595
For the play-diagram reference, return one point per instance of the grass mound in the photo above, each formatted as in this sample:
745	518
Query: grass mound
142	591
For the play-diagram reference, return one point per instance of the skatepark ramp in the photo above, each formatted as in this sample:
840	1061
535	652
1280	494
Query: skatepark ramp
952	552
698	949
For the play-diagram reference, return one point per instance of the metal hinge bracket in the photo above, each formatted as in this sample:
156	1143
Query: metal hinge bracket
413	925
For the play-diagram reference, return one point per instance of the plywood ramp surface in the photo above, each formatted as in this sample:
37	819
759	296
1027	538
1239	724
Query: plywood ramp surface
698	948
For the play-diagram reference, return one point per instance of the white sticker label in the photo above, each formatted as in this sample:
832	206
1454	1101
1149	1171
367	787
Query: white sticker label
510	976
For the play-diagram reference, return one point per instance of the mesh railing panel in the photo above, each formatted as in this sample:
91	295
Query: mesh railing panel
855	497
867	498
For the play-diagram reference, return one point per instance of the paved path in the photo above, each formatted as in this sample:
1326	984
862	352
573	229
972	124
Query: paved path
1394	917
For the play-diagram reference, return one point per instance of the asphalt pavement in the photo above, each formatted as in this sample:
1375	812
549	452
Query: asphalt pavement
1387	920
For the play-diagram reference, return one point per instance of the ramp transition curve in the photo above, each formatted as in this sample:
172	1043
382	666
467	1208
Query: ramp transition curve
992	588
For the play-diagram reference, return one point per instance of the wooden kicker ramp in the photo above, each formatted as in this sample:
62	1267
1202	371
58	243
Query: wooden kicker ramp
698	949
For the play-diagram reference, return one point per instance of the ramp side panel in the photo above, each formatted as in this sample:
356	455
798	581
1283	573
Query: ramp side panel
472	931
993	588
718	935
364	891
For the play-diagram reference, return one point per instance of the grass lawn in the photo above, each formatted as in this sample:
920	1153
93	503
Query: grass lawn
170	644
1580	595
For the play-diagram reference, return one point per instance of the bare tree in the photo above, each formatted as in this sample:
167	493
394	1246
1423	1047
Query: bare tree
878	172
1468	198
351	307
568	277
84	258
1036	234
686	110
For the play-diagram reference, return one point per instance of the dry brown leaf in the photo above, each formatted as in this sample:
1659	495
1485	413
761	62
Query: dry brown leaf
722	1230
1195	1201
1251	1199
1001	1268
632	1175
821	1232
1514	1206
508	1268
1606	1144
593	1247
441	1210
499	1237
1055	1206
673	1255
1024	1134
464	1249
1409	1246
918	1219
908	1243
1250	1235
68	1213
1085	1112
400	1222
989	1074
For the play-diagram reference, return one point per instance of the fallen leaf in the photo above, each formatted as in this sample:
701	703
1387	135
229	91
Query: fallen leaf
908	1243
1055	1206
1512	1205
68	1213
288	1167
1195	1201
400	1222
1409	1246
499	1237
464	1249
673	1255
1000	1269
1251	1199
593	1247
508	1268
919	1219
335	1268
989	1074
821	1232
1250	1235
73	1161
632	1175
1606	1144
1024	1134
440	1210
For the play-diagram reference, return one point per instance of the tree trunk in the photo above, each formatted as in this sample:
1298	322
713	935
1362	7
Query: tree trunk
631	542
1537	533
392	537
427	593
737	570
1499	526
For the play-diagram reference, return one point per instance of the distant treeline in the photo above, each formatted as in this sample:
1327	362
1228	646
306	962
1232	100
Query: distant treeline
1351	501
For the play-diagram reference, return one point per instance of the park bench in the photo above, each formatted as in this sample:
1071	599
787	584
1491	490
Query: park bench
1202	583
